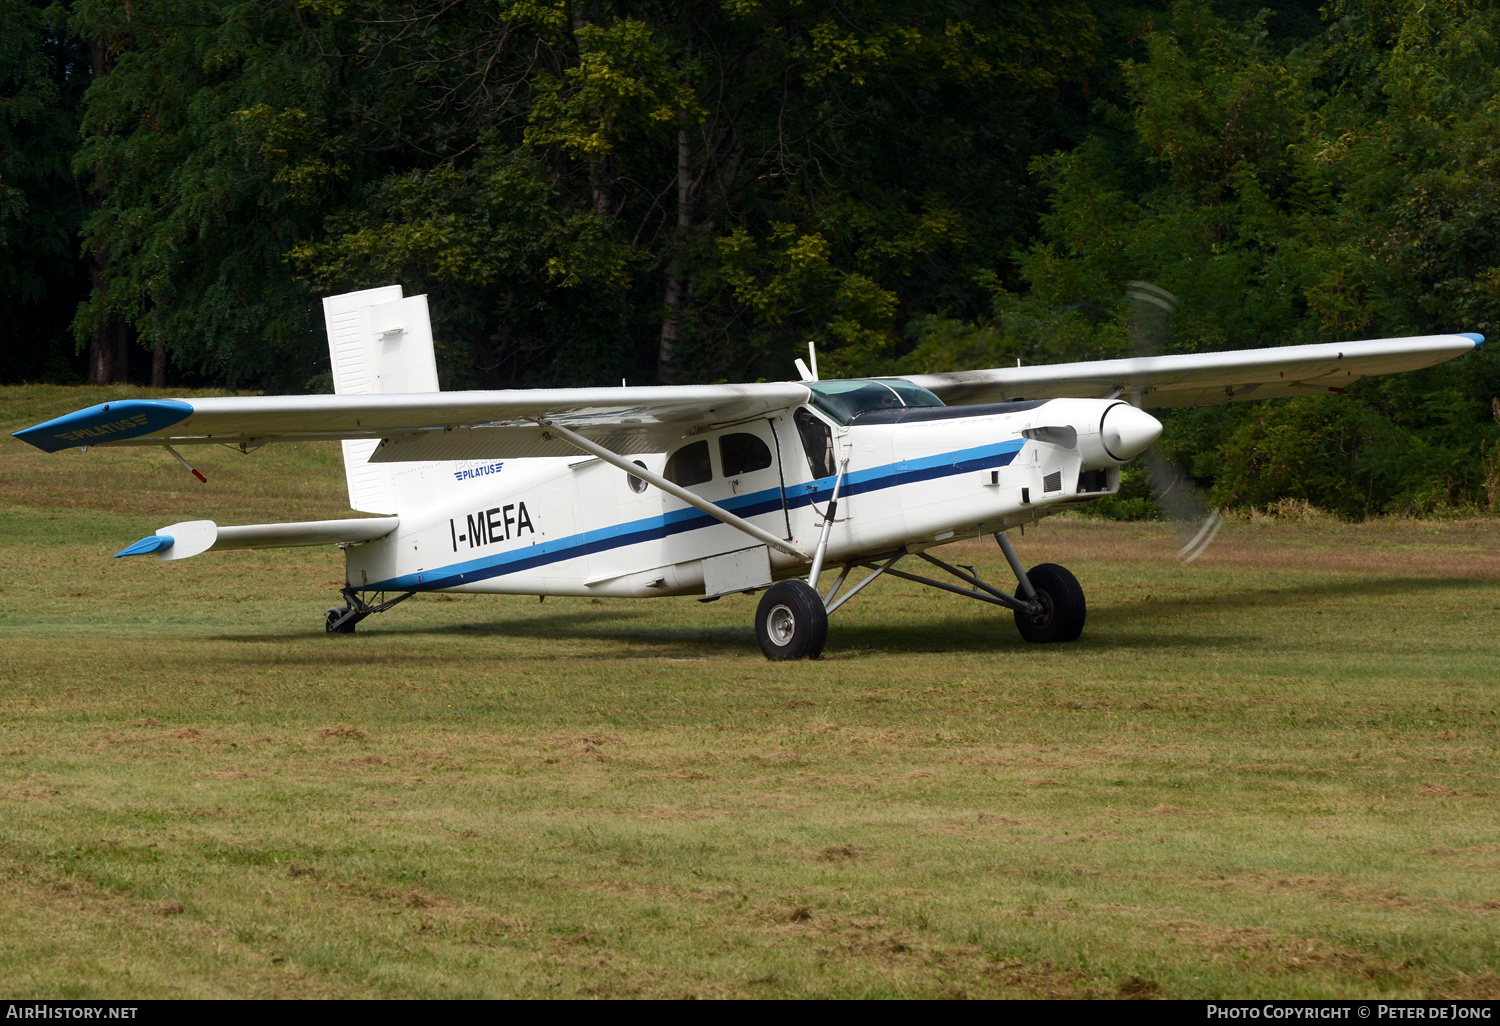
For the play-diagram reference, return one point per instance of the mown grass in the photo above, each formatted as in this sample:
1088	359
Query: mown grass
1271	773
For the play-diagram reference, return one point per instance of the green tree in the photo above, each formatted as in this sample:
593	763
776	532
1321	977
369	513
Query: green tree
212	147
1338	187
42	79
704	185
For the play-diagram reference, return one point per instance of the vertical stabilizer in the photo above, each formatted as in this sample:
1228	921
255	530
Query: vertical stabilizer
379	344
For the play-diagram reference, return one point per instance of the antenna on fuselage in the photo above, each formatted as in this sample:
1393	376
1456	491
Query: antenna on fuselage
812	354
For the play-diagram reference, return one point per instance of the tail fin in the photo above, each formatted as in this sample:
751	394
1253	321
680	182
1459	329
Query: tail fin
379	343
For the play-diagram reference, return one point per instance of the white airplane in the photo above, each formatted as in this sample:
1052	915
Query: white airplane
704	489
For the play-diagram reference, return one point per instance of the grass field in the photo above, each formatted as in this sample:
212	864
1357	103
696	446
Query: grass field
1271	773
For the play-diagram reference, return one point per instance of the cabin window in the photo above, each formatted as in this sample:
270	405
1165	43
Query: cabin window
817	439
636	484
689	465
742	453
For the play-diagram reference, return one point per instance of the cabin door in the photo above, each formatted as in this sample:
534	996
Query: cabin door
738	468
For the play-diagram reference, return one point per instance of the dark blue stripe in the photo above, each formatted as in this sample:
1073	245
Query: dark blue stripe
891	475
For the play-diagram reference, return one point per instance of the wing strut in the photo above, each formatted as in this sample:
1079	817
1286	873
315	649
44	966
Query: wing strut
615	459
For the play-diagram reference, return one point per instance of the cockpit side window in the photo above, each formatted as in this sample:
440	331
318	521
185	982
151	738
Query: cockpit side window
911	395
817	439
689	465
844	401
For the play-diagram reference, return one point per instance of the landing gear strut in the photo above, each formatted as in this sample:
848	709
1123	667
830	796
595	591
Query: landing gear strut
792	620
1057	609
343	621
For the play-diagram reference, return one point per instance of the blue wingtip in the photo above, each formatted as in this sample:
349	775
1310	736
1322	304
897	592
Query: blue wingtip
1478	338
114	421
147	545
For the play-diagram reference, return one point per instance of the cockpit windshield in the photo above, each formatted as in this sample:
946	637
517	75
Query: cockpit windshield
846	400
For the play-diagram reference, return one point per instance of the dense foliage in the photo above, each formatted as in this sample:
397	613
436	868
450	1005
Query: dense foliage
678	190
42	80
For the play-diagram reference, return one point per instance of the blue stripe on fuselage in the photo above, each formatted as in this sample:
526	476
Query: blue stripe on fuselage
891	475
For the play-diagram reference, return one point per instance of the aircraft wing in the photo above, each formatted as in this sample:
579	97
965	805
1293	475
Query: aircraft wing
429	425
1203	379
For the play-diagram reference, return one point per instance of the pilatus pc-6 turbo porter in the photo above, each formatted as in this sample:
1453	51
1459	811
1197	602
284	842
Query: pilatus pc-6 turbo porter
704	490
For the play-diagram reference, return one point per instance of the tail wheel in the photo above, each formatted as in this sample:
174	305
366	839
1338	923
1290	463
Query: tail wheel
790	622
1063	609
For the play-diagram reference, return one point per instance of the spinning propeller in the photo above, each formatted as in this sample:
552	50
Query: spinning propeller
1150	323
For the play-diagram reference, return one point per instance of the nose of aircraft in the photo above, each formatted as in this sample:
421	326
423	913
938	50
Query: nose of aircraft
1127	432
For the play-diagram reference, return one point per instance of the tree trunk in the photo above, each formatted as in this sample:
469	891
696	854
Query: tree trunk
667	368
122	349
109	348
101	345
668	364
159	364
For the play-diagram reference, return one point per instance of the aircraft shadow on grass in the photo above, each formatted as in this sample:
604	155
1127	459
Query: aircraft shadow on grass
1111	627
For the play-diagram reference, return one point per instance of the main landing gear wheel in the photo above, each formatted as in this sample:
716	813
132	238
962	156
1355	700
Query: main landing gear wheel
1061	598
790	622
331	622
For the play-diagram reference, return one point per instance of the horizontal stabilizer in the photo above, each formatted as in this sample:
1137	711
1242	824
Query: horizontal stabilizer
192	537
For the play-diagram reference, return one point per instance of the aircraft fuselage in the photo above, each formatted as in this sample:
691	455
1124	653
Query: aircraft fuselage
915	478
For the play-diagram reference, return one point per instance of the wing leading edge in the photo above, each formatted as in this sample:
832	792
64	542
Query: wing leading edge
428	425
1203	379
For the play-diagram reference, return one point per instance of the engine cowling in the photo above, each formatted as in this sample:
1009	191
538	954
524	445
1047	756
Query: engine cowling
1106	433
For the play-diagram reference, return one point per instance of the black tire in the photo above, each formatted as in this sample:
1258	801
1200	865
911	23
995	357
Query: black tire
790	622
331	616
1063	608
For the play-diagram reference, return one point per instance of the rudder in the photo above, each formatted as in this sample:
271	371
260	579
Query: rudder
377	338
